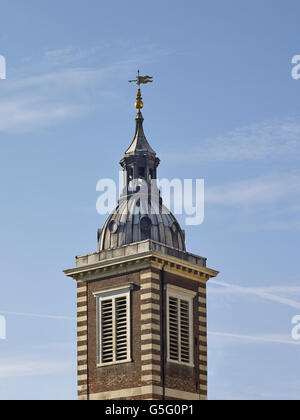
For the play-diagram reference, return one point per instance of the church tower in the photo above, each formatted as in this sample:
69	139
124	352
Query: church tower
141	298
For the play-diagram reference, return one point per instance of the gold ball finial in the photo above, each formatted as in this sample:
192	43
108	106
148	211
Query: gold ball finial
139	103
140	80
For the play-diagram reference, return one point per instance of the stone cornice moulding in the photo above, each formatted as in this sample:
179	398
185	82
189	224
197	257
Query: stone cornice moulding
149	259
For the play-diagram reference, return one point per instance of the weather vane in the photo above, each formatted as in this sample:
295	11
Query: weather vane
139	81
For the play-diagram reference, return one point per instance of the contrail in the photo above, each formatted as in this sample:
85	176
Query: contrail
262	338
262	292
61	317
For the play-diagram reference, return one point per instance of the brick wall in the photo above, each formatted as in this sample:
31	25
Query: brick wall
124	375
145	376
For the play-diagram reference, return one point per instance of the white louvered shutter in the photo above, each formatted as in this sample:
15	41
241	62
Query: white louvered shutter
107	342
114	329
180	329
184	331
121	315
173	329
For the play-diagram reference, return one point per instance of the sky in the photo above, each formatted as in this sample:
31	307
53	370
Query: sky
223	107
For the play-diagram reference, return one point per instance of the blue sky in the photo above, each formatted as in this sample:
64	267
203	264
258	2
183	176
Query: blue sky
223	107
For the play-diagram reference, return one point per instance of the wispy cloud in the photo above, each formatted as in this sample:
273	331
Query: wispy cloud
68	55
27	314
274	199
287	224
126	51
63	78
20	114
257	190
20	368
259	338
276	294
54	90
277	138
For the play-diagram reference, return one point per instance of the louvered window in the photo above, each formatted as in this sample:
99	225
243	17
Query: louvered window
173	328
180	323
114	327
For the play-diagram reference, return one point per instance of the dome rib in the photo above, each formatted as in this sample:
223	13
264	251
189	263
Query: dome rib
164	227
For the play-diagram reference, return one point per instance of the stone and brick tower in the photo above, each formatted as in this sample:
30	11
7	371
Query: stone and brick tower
141	298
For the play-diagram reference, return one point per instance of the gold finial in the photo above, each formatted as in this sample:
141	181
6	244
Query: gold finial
140	80
139	103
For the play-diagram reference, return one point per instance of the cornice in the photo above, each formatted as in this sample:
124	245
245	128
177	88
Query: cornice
141	261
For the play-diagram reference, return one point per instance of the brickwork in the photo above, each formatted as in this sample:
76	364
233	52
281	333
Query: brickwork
202	313
122	375
82	343
150	310
180	377
149	375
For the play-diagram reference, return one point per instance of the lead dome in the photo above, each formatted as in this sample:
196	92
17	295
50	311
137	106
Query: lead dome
140	213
